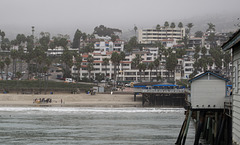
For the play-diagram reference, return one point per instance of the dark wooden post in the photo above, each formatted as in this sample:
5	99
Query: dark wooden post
135	97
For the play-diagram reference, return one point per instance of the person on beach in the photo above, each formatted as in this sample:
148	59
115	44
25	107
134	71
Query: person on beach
61	101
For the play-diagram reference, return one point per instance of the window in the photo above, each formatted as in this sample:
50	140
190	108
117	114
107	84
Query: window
96	58
188	64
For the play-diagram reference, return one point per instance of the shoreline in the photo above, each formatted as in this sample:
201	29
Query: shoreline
69	100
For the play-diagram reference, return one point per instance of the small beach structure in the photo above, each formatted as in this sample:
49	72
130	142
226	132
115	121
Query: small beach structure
208	91
206	107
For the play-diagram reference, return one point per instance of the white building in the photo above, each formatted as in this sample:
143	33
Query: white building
148	36
233	43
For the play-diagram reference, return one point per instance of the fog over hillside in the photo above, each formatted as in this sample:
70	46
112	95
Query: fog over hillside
224	23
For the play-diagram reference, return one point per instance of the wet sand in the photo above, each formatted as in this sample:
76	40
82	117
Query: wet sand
71	100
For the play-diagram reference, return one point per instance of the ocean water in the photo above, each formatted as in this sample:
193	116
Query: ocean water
93	126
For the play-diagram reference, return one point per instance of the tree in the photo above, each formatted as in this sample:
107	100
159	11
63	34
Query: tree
7	61
122	57
90	66
2	34
158	27
114	38
204	51
140	68
132	43
150	67
104	31
136	61
180	52
115	58
67	59
172	26
198	34
2	65
21	57
106	62
180	25
211	28
88	48
76	39
211	36
144	67
78	63
13	54
156	64
99	77
166	25
189	25
135	29
171	63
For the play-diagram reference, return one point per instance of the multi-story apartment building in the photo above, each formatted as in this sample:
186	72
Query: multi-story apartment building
148	36
125	71
196	42
187	67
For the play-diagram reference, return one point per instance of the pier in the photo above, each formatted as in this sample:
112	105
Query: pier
162	97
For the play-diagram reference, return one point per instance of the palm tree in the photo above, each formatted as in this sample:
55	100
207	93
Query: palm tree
156	64
2	34
189	25
14	55
135	29
28	58
122	57
171	63
115	58
172	26
144	67
90	67
180	26
18	75
166	25
78	64
136	61
158	27
2	65
7	61
151	66
140	68
105	62
21	56
211	27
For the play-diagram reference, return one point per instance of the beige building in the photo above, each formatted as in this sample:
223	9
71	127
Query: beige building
146	36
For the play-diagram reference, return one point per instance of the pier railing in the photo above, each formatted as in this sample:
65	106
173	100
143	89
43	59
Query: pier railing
160	90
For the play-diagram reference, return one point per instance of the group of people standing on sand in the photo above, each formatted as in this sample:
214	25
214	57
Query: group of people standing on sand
42	100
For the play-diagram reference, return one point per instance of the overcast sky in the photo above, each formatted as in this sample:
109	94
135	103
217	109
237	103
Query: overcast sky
65	16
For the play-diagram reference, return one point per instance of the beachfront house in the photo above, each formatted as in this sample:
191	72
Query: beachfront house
208	91
234	44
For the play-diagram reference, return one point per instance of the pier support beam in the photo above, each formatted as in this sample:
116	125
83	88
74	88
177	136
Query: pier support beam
135	97
187	126
199	128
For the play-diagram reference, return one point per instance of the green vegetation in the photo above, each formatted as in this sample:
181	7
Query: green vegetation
16	85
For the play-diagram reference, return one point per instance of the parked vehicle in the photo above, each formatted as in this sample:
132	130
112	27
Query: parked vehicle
69	80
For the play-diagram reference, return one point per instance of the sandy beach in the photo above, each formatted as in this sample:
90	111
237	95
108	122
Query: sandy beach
71	100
